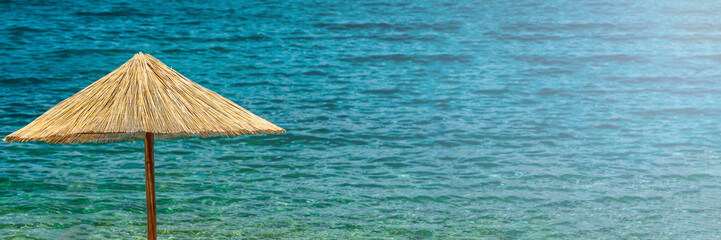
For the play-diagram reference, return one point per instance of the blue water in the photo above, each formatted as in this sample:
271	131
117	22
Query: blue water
406	120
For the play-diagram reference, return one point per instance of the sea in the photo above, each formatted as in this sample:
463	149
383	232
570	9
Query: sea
528	119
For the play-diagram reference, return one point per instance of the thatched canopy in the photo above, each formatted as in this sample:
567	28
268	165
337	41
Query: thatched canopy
143	95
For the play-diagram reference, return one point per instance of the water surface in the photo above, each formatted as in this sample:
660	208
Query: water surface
405	119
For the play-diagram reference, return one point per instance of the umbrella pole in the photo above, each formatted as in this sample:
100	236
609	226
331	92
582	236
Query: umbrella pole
150	185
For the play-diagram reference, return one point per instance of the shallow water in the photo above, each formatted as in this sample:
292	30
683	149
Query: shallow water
407	120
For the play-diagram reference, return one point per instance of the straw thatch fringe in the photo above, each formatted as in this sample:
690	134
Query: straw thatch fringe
142	95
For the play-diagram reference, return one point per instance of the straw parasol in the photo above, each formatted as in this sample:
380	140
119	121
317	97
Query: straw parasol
141	100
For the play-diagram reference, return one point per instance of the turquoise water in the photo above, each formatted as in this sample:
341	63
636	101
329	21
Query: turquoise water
405	119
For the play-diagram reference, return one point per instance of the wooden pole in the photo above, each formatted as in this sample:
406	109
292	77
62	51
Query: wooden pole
150	185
